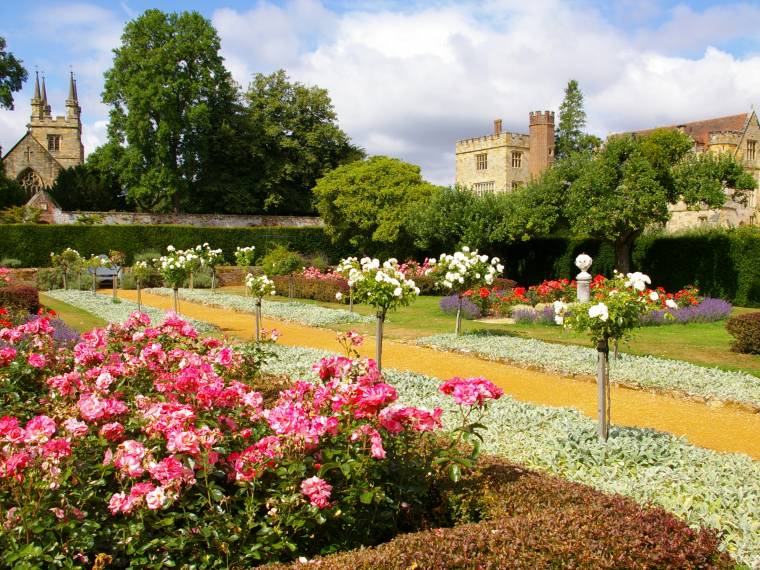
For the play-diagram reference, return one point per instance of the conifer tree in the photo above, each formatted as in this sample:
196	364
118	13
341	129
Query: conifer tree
572	120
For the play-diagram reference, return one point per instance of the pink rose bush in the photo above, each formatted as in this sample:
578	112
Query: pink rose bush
152	446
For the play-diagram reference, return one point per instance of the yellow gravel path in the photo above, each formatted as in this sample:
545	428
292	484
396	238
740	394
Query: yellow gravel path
722	428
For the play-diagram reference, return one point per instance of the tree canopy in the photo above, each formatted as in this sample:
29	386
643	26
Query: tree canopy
12	76
296	140
92	186
170	94
570	137
623	189
368	203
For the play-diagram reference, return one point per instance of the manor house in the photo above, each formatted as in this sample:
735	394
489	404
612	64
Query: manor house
737	135
503	161
50	143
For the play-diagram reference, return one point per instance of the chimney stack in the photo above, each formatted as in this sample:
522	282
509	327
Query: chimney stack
497	127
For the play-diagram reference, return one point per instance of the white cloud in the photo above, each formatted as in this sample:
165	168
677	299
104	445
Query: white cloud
408	80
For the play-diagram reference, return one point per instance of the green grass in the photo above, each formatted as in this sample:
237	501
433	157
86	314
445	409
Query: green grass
706	344
78	319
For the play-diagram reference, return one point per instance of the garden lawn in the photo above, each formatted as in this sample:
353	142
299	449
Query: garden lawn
706	344
78	319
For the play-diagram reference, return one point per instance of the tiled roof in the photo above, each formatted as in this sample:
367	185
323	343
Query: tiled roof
700	130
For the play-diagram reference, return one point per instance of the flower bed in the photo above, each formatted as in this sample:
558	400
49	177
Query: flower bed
636	371
291	311
719	490
104	307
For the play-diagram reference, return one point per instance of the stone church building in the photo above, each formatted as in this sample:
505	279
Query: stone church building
50	144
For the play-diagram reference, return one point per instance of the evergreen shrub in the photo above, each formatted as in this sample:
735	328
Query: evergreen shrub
746	332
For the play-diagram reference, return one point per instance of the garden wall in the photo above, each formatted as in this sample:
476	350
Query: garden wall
32	244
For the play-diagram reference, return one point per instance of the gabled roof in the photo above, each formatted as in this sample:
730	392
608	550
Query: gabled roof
700	130
29	135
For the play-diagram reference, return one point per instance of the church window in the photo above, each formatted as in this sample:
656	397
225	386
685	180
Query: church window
54	142
481	161
751	150
31	181
483	188
516	159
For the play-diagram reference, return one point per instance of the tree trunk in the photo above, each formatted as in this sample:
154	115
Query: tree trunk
115	285
350	299
139	297
603	389
379	340
258	319
213	281
175	301
458	328
65	285
191	280
623	249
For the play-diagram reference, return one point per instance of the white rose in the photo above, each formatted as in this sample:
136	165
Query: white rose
671	304
654	296
338	296
397	292
599	311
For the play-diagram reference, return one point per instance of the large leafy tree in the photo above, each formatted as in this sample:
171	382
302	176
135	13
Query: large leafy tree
92	186
626	187
570	137
367	204
170	96
296	140
12	76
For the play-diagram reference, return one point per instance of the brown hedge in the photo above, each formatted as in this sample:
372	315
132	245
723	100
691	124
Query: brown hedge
24	297
746	332
532	520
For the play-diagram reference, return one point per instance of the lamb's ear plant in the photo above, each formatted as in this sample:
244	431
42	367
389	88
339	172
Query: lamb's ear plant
464	271
384	287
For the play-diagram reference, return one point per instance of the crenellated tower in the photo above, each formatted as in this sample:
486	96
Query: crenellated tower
541	142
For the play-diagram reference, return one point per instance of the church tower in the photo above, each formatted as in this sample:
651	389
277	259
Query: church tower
50	145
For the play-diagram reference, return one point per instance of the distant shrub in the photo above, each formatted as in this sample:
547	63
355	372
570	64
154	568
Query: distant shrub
22	297
10	262
316	289
746	332
281	261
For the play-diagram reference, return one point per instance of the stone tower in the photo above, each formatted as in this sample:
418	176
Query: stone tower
50	143
541	142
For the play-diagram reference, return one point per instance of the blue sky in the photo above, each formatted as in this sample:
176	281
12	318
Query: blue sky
410	78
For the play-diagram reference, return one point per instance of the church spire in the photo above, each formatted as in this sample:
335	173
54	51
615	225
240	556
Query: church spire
36	87
38	108
73	110
45	105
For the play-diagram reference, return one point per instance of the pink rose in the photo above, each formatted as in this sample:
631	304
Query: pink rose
37	360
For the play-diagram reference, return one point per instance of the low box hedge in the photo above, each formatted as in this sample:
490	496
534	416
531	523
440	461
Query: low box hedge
533	520
305	288
20	297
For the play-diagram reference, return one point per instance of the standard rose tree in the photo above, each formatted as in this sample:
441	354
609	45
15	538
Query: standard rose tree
385	287
464	271
612	313
258	287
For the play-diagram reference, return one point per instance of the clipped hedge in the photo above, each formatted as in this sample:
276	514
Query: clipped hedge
23	297
32	244
746	332
516	518
317	289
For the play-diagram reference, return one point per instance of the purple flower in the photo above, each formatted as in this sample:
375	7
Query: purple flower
469	309
708	311
524	315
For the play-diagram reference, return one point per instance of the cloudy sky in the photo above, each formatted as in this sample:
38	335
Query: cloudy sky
408	79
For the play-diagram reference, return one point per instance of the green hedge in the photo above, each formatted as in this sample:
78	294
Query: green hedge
722	263
32	244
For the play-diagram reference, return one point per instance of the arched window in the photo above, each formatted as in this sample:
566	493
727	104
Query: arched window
30	180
